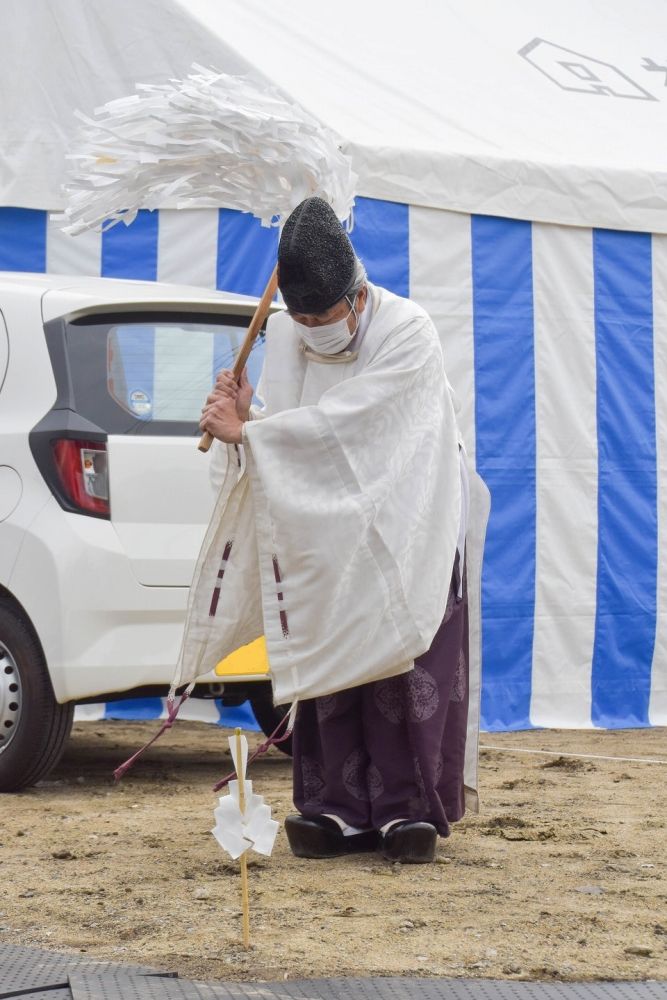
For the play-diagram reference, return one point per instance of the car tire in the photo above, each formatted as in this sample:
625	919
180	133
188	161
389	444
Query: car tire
268	715
33	726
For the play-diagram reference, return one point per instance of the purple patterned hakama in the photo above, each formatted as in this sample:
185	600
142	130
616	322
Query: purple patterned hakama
393	749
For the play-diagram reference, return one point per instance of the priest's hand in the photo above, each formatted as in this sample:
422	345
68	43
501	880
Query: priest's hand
220	418
225	383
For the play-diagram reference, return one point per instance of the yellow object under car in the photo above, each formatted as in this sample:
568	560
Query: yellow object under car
248	661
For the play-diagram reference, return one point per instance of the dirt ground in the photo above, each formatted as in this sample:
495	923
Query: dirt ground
563	875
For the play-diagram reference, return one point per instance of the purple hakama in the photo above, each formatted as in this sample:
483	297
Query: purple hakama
393	749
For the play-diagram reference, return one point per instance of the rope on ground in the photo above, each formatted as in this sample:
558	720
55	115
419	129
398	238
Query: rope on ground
582	756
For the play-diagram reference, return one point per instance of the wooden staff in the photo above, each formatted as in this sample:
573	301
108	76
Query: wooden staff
244	861
256	323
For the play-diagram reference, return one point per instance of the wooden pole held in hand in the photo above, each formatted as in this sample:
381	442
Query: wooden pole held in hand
256	323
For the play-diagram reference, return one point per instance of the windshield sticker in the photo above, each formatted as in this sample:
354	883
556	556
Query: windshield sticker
140	403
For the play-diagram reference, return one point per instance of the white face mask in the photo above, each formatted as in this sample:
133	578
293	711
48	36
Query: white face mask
332	338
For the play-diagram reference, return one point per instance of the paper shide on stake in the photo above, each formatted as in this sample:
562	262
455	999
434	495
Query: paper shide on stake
209	140
242	819
243	823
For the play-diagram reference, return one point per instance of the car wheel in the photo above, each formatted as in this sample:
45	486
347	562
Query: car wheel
269	715
33	726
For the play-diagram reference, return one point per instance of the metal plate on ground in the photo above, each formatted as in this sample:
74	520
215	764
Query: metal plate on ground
404	988
42	993
88	986
28	971
119	987
29	968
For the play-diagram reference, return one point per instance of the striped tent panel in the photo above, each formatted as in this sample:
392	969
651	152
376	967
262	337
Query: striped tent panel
566	475
555	342
145	709
658	699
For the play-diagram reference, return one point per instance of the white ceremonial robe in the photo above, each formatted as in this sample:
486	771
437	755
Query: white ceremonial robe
335	537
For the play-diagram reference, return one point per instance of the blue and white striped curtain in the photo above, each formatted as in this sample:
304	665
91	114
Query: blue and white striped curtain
555	341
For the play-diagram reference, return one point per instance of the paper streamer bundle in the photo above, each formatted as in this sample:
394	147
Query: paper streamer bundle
209	140
243	822
237	829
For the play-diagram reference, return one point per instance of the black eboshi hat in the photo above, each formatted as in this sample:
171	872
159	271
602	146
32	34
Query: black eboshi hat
316	261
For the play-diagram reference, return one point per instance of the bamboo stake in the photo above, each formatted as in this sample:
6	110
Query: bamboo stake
244	861
256	323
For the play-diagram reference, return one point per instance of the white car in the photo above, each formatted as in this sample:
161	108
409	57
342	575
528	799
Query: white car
104	497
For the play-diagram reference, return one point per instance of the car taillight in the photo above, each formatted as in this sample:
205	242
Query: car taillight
83	471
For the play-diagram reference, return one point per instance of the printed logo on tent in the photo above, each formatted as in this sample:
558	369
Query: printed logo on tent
651	66
583	74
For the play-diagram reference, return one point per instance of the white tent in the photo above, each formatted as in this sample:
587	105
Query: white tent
511	161
529	109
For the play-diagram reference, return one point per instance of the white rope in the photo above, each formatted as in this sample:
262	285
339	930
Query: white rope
582	756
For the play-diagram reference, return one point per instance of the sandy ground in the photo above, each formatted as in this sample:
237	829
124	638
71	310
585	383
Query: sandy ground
562	875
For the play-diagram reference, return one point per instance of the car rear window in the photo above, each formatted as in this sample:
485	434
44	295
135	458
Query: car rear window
142	374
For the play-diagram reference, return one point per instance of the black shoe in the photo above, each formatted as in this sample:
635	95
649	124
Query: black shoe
410	843
321	837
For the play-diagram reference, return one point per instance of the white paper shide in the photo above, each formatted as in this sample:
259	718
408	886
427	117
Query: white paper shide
208	140
238	830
